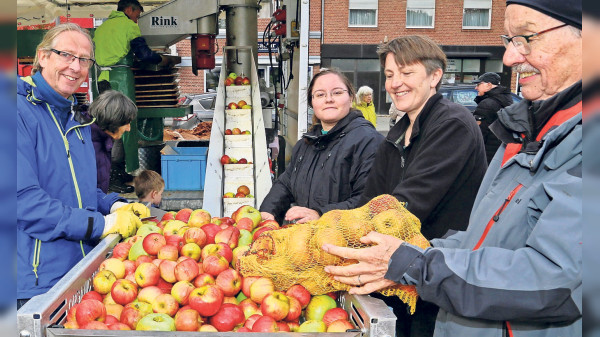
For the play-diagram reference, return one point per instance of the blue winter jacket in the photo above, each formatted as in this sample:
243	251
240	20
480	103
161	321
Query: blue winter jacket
517	269
59	209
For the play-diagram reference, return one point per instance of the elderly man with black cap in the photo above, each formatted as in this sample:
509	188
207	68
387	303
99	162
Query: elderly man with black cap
491	97
517	269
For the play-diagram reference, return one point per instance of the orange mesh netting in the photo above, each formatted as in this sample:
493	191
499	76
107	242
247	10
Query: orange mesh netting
293	255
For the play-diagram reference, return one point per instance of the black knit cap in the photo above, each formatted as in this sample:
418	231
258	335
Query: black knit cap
567	11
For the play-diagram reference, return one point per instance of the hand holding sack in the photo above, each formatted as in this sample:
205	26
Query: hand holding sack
140	210
121	222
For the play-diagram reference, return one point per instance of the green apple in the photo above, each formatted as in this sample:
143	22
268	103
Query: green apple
147	229
245	238
156	322
232	75
137	250
240	297
318	306
310	326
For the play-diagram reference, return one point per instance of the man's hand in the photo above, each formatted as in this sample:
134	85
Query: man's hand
301	214
140	210
267	216
368	274
121	222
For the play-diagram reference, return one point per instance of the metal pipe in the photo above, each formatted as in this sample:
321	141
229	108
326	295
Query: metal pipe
241	30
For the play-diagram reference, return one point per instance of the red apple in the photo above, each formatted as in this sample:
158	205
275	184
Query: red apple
211	231
294	326
232	106
242	329
249	308
221	249
243	160
283	326
168	252
300	293
95	325
236	131
243	189
147	274
90	310
175	240
186	270
71	313
114	310
195	235
276	305
245	223
341	325
181	291
227	221
183	215
215	264
334	314
248	212
228	81
188	320
198	218
130	267
259	231
208	328
92	295
149	294
295	309
240	195
164	286
110	319
167	270
238	80
142	259
165	304
228	132
246	283
206	300
269	223
265	324
242	103
124	291
153	242
229	236
229	281
168	216
228	316
251	320
245	81
121	250
260	289
203	279
118	326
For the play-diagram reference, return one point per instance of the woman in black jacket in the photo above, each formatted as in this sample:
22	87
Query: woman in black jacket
330	165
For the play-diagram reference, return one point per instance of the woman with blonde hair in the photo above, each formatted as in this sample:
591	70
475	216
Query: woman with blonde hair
364	103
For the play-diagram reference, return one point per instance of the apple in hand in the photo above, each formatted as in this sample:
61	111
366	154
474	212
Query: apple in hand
206	300
124	291
228	316
156	322
103	281
90	310
276	305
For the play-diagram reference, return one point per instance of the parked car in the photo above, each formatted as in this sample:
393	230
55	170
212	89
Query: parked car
463	94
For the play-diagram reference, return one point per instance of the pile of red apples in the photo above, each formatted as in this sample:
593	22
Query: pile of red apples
179	274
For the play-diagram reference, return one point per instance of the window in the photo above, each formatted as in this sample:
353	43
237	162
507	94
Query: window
477	14
420	13
461	70
363	13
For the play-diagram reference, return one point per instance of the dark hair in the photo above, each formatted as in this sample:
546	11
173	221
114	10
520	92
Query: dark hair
124	4
112	110
146	182
413	49
323	72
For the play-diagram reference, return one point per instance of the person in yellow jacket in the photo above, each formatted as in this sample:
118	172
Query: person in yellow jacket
364	103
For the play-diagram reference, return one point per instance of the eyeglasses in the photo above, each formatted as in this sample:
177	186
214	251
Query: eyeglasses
335	93
69	58
521	42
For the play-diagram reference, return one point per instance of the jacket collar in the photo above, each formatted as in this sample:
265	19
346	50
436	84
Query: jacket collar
397	131
339	130
43	91
499	90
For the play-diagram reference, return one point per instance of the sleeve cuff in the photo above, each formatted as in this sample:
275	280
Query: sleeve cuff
404	258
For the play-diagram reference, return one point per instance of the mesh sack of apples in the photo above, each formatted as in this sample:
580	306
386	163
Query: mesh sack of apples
178	274
293	255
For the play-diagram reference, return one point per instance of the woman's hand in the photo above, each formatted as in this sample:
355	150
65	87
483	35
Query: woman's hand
267	216
368	274
301	214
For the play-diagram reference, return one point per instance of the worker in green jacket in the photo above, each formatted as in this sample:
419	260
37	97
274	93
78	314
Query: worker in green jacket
117	40
364	103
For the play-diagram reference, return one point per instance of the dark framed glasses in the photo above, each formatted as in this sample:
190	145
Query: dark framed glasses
521	42
69	58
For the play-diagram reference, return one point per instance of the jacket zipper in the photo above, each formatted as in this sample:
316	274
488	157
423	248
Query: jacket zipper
496	216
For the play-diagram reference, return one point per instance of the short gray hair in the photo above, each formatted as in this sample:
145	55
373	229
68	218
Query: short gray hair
112	110
363	91
49	41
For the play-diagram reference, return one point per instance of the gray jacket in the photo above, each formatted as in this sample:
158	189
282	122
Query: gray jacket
518	266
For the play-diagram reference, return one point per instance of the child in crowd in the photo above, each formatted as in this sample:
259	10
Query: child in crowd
149	187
